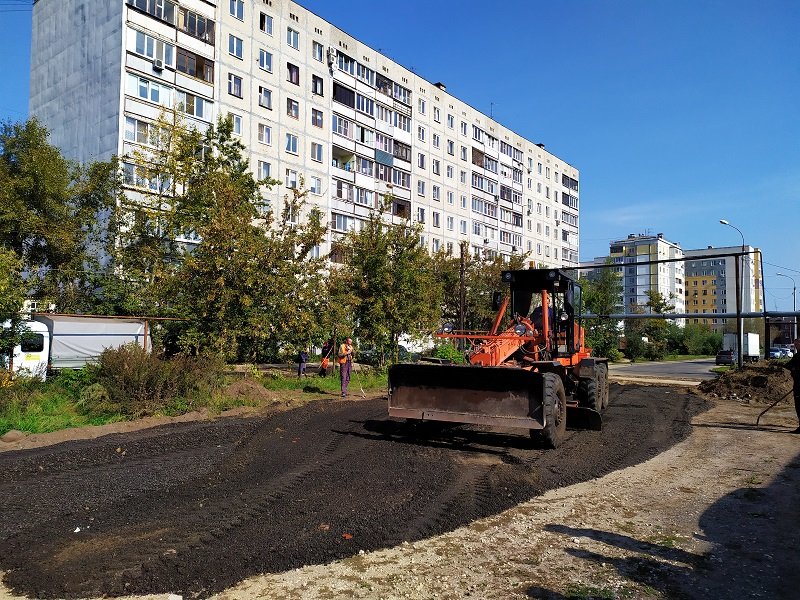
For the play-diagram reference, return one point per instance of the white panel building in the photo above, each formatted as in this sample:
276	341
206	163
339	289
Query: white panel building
309	101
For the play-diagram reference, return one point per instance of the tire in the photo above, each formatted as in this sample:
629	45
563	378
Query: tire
554	405
602	384
589	394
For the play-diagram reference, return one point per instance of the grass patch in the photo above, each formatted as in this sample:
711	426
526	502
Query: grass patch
677	357
371	380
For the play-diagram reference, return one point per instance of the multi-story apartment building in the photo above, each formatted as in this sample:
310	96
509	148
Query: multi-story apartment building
711	283
309	101
647	262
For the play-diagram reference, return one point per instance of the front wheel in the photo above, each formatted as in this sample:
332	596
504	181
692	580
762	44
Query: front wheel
554	404
602	384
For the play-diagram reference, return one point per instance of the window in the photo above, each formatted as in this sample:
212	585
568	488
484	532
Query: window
160	9
401	151
264	134
450	223
195	65
420	214
264	97
291	143
344	95
365	197
421	133
237	123
292	73
234	85
421	160
149	90
140	131
343	222
462	227
316	152
436	140
317	51
402	122
435	219
263	169
463	153
346	64
365	105
315	186
291	178
421	188
451	147
235	45
193	105
436	166
237	9
265	60
292	108
436	192
450	171
437	117
451	197
384	142
421	106
401	178
317	85
463	128
365	135
365	74
293	38
196	25
316	117
342	126
154	49
265	23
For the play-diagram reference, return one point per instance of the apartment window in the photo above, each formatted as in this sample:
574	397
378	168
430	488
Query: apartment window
237	123
437	117
293	73
316	117
342	126
195	65
292	108
365	105
364	166
193	105
293	38
463	153
421	106
463	201
436	166
462	227
315	185
160	9
237	9
265	60
264	97
196	25
291	143
435	219
265	134
149	90
365	197
401	178
450	171
451	121
365	74
421	188
402	122
154	49
316	152
436	140
235	46
263	169
317	85
291	178
346	64
344	95
234	85
317	51
421	133
450	223
421	160
451	197
420	214
401	150
139	131
436	192
265	23
463	128
451	147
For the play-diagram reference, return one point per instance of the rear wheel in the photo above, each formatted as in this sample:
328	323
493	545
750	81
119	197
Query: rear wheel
589	394
602	384
554	405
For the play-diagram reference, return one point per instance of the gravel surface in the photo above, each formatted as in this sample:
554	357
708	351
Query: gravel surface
195	508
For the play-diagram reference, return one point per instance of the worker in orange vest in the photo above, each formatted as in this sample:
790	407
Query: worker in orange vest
345	364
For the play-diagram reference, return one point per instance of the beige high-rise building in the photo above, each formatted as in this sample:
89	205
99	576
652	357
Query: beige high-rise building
308	101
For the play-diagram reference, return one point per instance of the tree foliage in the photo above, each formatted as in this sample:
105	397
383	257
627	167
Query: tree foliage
602	295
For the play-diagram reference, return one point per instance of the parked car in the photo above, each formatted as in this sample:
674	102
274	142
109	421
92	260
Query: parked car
726	357
776	352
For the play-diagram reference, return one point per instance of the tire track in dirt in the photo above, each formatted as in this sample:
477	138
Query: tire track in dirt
267	494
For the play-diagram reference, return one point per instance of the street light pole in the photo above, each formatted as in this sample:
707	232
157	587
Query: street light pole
739	284
794	303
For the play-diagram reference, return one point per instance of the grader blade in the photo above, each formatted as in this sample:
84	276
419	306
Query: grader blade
581	417
494	396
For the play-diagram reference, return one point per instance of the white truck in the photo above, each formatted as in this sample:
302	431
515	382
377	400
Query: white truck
54	341
750	345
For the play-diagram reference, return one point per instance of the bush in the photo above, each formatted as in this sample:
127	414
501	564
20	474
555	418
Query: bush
95	401
448	351
142	384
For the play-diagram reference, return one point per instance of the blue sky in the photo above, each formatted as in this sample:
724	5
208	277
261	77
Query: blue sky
677	114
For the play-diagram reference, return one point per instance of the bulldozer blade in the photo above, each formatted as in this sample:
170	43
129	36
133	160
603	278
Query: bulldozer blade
581	417
495	396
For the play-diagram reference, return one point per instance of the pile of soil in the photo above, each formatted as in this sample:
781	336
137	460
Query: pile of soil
763	381
248	389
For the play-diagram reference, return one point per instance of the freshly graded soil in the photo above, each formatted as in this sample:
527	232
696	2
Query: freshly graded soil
194	508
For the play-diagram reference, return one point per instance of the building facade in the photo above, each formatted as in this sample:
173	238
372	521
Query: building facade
711	283
310	103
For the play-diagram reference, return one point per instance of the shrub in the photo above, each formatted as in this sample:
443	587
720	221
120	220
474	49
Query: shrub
448	351
94	401
142	384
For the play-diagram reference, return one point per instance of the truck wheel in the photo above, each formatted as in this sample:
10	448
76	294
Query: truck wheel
589	394
554	404
602	384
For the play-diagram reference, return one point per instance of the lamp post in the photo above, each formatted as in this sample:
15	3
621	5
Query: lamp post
739	281
794	303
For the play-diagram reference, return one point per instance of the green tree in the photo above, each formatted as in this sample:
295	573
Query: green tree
51	215
388	280
12	295
602	295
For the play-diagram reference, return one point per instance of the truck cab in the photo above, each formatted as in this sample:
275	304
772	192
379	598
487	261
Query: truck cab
32	354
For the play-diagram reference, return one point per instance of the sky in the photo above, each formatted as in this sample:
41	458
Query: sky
677	114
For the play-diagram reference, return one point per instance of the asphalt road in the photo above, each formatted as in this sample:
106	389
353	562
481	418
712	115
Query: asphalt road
197	507
691	370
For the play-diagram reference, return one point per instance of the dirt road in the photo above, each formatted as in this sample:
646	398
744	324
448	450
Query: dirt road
195	508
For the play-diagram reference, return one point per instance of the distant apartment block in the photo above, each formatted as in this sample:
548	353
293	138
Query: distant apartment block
308	101
711	283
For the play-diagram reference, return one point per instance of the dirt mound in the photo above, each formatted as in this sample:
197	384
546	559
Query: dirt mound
764	381
248	389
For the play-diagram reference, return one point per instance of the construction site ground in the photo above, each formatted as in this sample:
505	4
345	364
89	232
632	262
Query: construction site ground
680	496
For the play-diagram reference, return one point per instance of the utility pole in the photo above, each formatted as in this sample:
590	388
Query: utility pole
462	289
